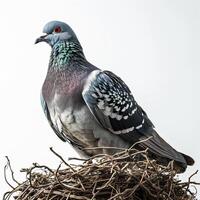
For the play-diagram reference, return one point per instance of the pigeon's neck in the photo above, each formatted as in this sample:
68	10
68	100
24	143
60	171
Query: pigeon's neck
65	53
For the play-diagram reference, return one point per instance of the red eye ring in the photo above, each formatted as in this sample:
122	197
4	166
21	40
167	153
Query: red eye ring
57	29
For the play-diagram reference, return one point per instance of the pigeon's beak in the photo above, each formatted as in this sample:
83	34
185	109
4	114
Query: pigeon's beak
41	39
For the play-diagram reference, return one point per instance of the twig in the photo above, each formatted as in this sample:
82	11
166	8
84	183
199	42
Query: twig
59	156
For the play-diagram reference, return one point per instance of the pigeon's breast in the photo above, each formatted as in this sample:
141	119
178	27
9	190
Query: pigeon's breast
68	111
61	87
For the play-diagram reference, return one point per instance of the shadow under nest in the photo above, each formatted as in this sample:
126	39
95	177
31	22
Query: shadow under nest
118	177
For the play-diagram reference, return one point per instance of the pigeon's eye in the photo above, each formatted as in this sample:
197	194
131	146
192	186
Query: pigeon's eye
57	29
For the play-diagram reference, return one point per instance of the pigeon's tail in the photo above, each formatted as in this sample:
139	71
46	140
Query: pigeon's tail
189	160
181	166
160	150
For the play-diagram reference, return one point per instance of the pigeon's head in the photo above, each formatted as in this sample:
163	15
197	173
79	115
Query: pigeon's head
56	31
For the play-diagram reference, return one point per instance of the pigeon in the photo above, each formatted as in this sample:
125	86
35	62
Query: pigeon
93	109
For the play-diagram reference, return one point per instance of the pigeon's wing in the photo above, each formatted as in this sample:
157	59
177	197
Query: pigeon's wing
112	104
47	114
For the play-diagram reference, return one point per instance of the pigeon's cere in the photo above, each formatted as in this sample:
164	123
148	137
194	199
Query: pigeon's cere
89	107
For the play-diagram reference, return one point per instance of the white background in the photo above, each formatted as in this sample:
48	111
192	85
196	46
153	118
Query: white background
153	46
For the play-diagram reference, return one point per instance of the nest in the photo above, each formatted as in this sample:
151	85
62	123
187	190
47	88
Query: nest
118	177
